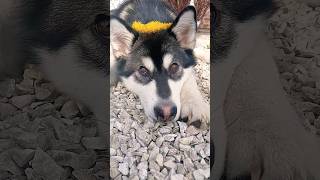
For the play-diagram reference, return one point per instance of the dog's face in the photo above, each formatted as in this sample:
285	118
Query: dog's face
155	66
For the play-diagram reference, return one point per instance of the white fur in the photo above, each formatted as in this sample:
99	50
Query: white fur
149	97
147	62
249	34
193	105
167	60
147	94
65	71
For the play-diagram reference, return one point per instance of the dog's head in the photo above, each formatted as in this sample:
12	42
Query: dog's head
155	65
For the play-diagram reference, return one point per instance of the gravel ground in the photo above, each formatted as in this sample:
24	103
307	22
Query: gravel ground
46	135
295	32
141	149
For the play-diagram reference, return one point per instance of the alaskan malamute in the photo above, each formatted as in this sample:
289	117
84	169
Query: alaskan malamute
152	49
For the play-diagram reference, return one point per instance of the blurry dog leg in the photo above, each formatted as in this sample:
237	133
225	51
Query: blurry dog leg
193	106
89	86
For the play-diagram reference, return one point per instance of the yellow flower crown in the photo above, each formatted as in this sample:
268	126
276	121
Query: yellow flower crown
150	27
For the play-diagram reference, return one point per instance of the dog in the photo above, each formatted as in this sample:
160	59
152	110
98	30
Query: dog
68	39
261	136
158	66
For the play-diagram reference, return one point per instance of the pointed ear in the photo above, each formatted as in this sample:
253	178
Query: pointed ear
185	28
121	37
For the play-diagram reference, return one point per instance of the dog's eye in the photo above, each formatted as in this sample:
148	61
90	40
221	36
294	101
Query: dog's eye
174	68
143	71
175	71
143	75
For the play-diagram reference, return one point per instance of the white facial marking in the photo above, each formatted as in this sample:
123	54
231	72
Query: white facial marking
147	62
167	59
147	94
124	14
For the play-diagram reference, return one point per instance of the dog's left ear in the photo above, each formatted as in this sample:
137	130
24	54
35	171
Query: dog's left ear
121	37
185	27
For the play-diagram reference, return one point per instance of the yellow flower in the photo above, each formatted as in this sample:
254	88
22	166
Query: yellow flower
150	27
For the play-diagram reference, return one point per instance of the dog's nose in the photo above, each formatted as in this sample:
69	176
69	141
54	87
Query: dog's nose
165	112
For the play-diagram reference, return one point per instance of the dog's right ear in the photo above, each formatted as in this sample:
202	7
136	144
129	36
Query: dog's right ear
121	37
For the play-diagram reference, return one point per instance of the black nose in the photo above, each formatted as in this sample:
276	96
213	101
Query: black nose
165	112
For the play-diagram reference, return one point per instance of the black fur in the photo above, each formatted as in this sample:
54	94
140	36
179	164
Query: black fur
52	24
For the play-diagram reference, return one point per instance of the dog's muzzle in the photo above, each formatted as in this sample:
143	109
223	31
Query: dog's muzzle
165	112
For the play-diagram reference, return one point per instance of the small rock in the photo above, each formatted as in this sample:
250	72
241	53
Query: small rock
7	164
143	165
169	137
170	164
159	160
180	169
187	162
6	144
118	125
143	136
186	140
157	175
42	93
202	173
124	168
46	167
177	177
32	73
25	87
145	157
7	87
133	171
6	110
183	147
154	166
143	174
165	171
94	142
114	172
22	156
84	160
43	110
135	178
165	130
22	101
183	127
191	130
83	174
197	175
154	153
159	141
69	109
